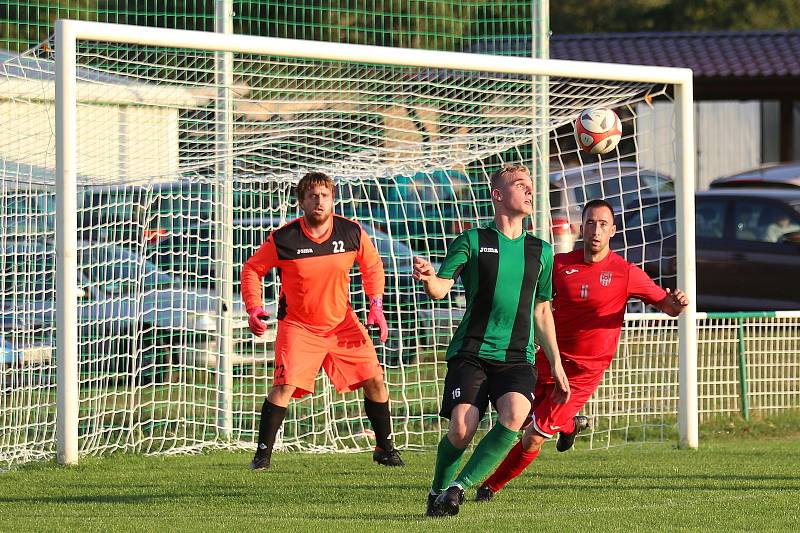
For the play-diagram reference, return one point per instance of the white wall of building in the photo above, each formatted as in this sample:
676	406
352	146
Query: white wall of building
727	135
115	142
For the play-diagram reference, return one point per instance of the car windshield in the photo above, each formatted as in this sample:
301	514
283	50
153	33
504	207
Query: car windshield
26	268
619	191
27	210
648	214
189	202
118	272
386	246
171	206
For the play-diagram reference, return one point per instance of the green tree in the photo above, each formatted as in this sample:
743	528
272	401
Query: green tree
434	24
25	24
608	16
705	15
176	14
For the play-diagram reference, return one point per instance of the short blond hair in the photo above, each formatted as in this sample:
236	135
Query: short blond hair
310	180
497	177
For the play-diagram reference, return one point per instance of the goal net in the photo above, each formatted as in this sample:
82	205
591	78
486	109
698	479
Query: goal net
186	158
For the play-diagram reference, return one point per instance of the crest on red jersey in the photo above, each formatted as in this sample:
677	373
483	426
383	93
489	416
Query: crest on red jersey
605	279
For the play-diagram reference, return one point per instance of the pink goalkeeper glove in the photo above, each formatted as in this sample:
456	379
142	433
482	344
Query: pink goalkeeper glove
256	321
376	318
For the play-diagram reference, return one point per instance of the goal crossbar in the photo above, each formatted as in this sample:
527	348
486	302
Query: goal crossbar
410	57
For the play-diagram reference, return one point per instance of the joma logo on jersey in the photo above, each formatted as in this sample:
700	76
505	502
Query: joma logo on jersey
488	250
301	251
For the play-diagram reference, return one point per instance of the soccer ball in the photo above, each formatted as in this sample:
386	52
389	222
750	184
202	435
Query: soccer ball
598	130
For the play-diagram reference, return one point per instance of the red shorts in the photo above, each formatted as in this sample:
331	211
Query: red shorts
548	417
346	353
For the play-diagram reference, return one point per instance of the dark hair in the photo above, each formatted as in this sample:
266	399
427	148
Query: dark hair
497	175
591	204
310	180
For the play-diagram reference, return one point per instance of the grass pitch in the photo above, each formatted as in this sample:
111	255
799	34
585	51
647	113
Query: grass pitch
729	484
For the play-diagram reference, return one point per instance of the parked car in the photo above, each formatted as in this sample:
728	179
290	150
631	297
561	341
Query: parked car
29	210
616	182
132	214
423	210
747	246
26	351
570	188
190	256
134	319
778	176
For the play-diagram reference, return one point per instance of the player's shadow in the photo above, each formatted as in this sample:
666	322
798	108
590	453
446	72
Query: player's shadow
383	517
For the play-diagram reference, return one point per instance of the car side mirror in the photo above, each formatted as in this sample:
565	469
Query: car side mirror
793	237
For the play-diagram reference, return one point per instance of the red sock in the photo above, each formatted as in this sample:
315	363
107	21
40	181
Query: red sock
515	462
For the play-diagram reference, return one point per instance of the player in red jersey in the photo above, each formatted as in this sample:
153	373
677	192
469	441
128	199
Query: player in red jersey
590	290
317	328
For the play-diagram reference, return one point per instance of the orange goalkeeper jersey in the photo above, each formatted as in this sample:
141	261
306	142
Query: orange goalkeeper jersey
315	273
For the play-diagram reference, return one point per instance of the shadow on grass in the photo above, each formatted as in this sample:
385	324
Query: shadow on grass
116	499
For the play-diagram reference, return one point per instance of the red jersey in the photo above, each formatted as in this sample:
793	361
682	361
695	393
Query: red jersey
315	273
589	304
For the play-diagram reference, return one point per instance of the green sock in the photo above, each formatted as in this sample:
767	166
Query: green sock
448	458
490	451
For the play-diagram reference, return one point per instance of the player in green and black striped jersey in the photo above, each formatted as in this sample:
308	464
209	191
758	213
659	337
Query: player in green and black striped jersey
507	275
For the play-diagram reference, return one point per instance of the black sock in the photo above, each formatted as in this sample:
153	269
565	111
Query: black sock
271	419
381	420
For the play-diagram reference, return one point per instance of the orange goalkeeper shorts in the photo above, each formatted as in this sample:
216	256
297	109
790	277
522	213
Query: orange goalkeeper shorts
346	354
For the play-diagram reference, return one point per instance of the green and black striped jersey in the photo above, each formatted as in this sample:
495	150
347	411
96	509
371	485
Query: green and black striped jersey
503	278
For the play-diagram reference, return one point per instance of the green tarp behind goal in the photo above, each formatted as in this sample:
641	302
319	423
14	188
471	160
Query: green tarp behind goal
429	24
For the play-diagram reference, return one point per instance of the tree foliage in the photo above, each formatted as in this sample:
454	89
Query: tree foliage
435	24
26	23
432	24
608	16
176	14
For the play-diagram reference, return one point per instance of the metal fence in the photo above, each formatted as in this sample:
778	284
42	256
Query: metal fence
748	365
426	24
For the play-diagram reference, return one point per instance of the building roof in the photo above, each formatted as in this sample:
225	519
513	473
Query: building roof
35	73
726	64
749	54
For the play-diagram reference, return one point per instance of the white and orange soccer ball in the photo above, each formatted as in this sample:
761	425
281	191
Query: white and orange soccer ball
598	130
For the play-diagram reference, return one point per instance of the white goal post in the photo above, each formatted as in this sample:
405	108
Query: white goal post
68	33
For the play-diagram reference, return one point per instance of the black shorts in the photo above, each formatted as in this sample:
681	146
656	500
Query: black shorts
477	381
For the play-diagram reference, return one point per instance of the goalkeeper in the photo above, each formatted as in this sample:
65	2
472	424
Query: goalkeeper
317	328
507	276
591	286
